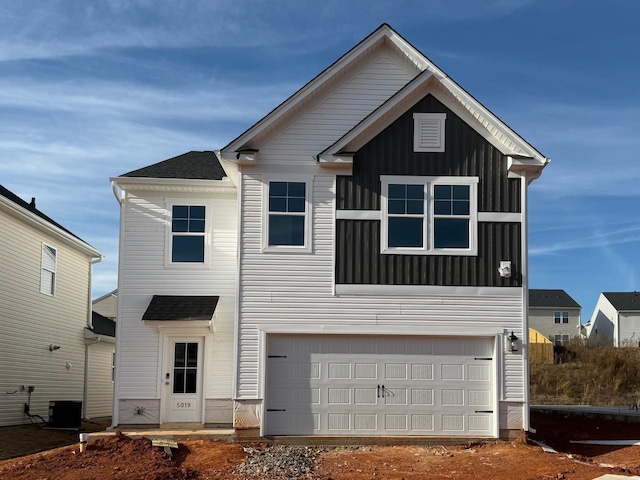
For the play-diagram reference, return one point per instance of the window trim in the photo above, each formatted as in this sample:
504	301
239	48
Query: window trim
43	268
308	215
169	204
559	317
428	232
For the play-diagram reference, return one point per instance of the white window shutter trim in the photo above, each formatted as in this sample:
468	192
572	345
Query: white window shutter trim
428	132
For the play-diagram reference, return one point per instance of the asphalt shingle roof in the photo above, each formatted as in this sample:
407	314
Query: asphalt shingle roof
181	308
551	298
103	325
624	300
190	165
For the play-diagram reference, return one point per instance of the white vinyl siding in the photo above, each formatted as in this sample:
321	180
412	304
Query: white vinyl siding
99	383
32	321
294	294
144	275
340	111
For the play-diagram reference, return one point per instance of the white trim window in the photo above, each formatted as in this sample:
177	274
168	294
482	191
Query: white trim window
287	224
187	233
48	270
429	215
560	339
561	317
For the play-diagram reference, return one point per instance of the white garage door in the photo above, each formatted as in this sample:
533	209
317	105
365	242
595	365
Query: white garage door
374	385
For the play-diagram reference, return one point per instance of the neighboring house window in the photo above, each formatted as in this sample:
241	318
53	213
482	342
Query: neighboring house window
561	317
429	215
48	270
188	231
428	132
287	225
560	340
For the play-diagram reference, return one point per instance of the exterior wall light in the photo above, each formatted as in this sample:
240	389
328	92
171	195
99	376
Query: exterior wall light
53	347
512	342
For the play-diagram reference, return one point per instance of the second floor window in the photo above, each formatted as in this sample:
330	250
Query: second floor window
561	317
188	233
287	215
48	270
429	215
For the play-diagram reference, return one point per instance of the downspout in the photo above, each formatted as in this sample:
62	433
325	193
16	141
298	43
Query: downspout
120	197
524	207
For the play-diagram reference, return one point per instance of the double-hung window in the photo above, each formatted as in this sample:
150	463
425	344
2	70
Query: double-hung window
287	222
561	317
188	234
429	215
48	270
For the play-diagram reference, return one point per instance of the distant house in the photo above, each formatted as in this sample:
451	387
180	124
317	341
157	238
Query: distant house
107	305
616	320
101	350
554	314
45	309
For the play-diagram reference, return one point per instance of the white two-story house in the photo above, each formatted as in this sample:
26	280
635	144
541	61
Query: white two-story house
381	264
46	330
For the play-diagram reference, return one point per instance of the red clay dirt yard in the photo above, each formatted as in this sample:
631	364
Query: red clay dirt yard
122	458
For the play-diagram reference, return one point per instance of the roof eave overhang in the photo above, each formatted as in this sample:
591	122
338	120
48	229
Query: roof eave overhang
528	167
98	337
177	185
44	225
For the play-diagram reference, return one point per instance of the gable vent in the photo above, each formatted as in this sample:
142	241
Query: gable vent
428	133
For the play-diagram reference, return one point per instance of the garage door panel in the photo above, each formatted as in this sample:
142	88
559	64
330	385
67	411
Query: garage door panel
351	388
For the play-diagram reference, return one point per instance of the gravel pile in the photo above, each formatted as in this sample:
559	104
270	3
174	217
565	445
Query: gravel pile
280	461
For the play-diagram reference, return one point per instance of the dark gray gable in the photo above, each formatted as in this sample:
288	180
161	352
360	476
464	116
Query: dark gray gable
181	308
551	298
624	300
191	165
103	325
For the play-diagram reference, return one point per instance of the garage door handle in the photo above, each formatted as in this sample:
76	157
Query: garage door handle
484	411
483	358
276	356
276	409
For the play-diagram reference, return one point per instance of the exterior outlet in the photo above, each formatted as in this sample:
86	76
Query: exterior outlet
139	410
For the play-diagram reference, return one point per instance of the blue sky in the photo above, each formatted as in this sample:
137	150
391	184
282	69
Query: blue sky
90	90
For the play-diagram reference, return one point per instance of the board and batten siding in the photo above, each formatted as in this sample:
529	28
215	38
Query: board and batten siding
293	293
30	321
99	383
340	111
144	274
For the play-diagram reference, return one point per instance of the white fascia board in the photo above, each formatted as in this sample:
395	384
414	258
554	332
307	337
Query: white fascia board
44	225
230	168
174	184
471	104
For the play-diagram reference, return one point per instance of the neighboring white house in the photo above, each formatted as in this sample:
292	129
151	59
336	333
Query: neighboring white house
45	308
554	314
107	305
615	320
176	292
378	279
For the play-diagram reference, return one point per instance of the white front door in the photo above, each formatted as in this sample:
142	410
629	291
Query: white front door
182	380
